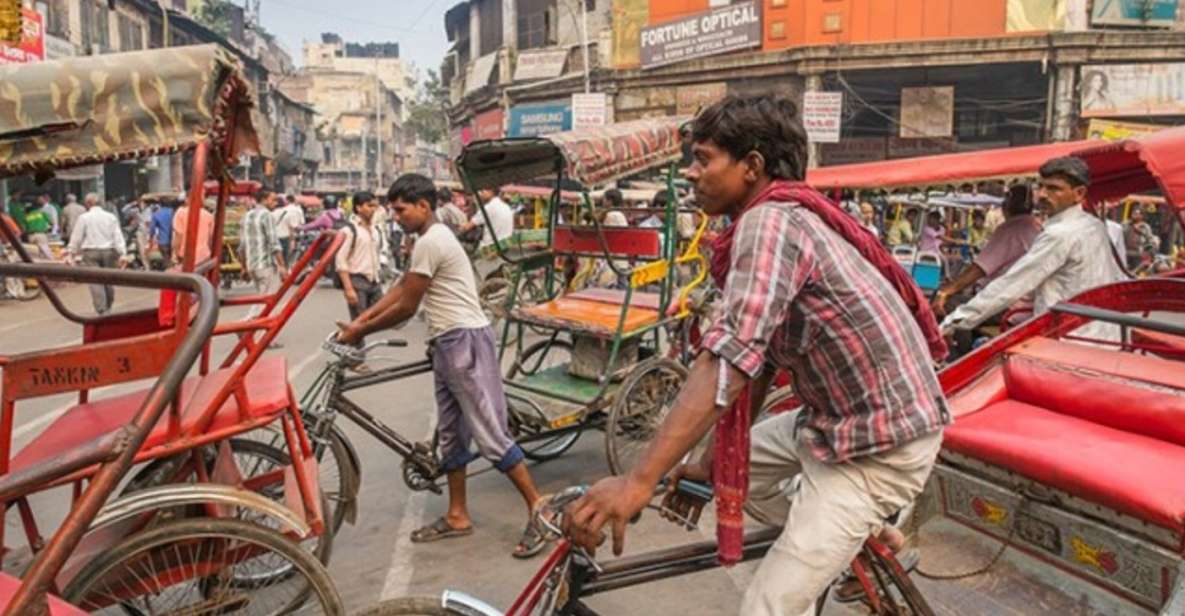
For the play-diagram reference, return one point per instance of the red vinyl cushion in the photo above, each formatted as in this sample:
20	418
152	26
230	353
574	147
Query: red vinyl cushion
266	385
1130	473
9	585
1117	402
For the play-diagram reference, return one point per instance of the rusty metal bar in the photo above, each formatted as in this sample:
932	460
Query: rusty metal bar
40	576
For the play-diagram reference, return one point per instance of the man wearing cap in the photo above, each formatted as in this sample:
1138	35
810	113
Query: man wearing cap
1069	256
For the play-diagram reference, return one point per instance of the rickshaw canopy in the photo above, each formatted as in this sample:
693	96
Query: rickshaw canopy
590	156
522	190
1150	162
93	109
944	168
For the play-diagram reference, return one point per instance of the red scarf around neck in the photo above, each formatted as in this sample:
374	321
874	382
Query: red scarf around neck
730	462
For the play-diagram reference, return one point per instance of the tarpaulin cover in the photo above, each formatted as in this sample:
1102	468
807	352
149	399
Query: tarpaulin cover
944	168
590	156
79	111
1149	162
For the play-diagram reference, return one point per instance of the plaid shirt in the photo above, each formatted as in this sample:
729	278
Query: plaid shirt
257	236
800	297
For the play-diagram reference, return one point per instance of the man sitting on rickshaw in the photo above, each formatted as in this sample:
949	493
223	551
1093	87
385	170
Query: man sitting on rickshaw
806	289
471	403
1072	254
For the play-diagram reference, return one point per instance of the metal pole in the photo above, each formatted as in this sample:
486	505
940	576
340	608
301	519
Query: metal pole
378	126
164	12
584	41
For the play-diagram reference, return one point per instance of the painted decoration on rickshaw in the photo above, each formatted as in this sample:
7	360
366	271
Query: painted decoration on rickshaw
599	155
86	110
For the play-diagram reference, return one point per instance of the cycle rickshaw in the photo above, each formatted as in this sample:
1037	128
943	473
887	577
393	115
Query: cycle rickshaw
594	357
149	549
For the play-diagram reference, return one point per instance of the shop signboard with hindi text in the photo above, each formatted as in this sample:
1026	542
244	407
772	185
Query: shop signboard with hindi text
539	119
488	125
32	45
589	110
540	64
720	30
1109	90
822	116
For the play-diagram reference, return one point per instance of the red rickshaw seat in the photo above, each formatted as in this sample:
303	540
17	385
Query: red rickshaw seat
1123	471
57	607
267	393
1083	420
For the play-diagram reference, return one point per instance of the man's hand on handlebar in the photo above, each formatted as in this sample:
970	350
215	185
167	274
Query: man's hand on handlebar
679	506
349	333
614	501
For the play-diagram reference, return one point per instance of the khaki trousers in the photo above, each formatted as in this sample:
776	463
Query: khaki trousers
827	518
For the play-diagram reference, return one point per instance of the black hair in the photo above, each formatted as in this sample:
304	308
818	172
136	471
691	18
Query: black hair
613	197
330	202
444	195
290	199
1019	200
262	194
766	124
1070	168
413	187
660	200
362	196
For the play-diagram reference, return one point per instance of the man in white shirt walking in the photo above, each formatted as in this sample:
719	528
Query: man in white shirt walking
289	219
98	240
1072	254
357	260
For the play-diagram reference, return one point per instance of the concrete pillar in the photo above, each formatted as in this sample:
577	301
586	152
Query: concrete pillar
813	83
510	24
1063	113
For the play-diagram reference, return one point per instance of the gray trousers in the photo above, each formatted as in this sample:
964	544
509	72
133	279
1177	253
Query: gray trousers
369	293
470	401
102	295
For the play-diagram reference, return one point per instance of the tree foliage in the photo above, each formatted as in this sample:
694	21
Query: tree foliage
215	15
426	116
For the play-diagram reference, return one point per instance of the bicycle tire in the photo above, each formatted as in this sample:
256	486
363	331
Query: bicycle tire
410	606
622	421
544	449
338	475
885	575
87	588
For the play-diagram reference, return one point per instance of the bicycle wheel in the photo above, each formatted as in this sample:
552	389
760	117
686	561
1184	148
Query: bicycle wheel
254	458
23	289
410	606
197	567
639	407
539	356
896	593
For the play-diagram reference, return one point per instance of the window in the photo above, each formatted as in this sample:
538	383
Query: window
131	34
87	15
102	38
490	26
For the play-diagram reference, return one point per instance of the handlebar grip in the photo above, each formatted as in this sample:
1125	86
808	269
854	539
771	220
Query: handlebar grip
396	342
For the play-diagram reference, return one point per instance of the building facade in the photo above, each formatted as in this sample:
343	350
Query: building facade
886	78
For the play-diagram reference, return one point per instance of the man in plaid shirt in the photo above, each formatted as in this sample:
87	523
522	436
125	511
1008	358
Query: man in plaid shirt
802	296
260	244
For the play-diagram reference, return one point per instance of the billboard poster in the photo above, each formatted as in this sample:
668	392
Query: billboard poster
1109	90
1110	130
730	28
629	17
539	119
32	45
1134	13
590	110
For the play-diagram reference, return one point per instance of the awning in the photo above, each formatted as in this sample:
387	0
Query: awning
944	168
480	72
1150	162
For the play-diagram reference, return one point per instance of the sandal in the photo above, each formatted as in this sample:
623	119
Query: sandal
440	529
532	542
849	589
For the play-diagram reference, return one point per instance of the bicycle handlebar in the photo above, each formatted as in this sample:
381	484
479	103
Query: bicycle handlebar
355	354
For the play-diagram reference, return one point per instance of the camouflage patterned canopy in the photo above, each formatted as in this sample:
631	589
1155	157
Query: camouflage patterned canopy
87	110
589	156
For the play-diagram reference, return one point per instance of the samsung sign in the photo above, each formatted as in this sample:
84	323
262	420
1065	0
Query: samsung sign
541	119
722	30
